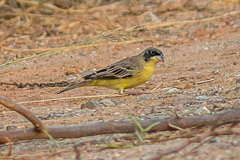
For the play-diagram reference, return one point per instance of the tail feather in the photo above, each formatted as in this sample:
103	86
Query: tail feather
76	85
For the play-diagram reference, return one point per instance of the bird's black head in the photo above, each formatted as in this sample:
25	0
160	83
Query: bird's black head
153	52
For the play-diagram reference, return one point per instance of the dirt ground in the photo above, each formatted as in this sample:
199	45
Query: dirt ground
195	51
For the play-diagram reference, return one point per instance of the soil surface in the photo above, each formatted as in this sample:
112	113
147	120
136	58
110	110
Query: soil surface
201	71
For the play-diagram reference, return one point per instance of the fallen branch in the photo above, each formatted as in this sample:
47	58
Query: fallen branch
23	111
122	126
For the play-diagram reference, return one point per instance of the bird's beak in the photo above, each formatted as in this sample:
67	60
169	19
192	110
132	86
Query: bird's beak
161	58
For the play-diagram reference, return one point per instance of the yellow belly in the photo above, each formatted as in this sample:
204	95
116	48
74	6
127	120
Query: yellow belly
138	78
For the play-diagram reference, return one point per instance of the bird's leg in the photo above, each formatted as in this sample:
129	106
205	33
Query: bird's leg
121	91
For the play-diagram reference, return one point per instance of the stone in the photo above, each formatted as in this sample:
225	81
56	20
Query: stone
172	90
202	92
91	105
116	101
236	142
144	98
11	128
216	139
202	97
107	102
164	77
237	74
148	17
202	111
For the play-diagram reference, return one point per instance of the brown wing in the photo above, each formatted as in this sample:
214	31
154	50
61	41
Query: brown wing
121	69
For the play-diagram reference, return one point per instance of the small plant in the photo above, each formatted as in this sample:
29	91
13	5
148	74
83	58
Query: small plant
142	130
50	137
118	146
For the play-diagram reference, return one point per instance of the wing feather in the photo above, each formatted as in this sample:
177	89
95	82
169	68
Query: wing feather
122	69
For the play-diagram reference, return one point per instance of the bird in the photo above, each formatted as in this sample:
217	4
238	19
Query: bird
124	74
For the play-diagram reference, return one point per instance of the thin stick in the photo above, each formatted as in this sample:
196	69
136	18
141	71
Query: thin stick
201	82
10	146
175	127
67	98
83	97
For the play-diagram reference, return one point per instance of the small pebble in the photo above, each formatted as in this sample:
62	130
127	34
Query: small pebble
202	110
226	75
122	105
91	105
116	101
172	90
202	98
11	128
107	102
216	139
237	75
192	69
201	92
144	98
164	77
216	72
236	142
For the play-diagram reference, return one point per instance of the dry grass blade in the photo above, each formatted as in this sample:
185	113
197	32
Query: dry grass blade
51	51
175	127
68	98
192	21
201	82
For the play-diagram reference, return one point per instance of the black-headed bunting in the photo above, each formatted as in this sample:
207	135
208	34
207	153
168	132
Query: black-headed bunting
124	74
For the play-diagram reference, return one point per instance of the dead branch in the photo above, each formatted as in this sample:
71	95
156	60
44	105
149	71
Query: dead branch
23	111
122	126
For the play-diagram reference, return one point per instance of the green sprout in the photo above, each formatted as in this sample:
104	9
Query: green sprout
142	130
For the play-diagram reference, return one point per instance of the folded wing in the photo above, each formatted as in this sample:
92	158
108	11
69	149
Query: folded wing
122	69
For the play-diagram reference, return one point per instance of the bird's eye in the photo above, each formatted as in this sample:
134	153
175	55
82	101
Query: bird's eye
152	53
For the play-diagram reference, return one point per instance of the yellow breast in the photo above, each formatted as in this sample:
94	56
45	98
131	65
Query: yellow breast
141	75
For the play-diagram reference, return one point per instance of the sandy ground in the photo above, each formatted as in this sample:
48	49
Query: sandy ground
193	53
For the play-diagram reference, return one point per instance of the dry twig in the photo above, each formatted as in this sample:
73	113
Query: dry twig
23	111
